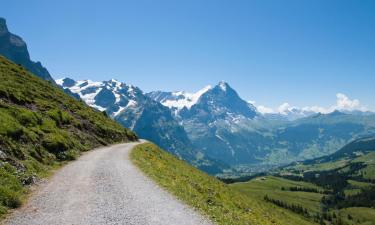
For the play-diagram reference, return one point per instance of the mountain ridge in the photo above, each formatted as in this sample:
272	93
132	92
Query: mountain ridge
151	120
15	49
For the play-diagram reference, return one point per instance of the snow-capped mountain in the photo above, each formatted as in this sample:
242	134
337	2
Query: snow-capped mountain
129	106
218	101
179	99
111	96
227	128
217	124
209	115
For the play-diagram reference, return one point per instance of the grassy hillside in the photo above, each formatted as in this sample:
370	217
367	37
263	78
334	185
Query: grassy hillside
40	128
348	178
279	188
213	198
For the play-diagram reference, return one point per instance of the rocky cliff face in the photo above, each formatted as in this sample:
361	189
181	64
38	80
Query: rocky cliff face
15	49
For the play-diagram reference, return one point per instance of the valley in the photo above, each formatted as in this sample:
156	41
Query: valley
335	189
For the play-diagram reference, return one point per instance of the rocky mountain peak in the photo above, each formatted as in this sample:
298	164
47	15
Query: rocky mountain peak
15	49
223	85
3	26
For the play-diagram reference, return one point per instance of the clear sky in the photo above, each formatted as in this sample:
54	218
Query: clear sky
302	51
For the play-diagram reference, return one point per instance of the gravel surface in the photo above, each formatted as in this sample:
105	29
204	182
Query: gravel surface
103	187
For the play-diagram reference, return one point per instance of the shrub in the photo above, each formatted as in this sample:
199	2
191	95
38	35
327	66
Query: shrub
9	126
28	118
56	142
10	187
60	117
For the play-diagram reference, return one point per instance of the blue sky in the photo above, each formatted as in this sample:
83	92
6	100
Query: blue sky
302	52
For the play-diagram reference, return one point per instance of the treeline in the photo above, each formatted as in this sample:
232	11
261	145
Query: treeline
335	180
366	198
306	189
295	208
232	180
332	218
320	218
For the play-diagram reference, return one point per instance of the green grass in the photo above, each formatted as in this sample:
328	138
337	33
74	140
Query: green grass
369	160
362	216
319	166
218	201
41	127
271	186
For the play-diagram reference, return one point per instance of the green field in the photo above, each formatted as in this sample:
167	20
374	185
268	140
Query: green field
369	160
321	166
219	201
362	216
271	186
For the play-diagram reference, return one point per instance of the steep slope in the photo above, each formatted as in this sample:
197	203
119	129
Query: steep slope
41	127
151	120
15	49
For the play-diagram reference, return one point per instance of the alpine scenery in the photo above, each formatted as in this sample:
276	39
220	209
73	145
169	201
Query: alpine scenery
187	112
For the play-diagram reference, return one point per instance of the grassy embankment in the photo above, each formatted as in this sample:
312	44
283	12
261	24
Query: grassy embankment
217	200
41	127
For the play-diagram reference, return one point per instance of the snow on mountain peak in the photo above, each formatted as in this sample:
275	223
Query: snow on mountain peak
184	99
223	85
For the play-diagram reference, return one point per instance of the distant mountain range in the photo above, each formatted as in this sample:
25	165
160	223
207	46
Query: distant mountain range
232	130
151	120
218	124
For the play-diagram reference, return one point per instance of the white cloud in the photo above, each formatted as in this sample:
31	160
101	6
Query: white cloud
285	108
264	110
343	103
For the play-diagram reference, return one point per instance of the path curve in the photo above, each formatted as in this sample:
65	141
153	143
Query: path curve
103	187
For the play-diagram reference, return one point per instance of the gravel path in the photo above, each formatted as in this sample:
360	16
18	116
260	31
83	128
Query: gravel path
103	187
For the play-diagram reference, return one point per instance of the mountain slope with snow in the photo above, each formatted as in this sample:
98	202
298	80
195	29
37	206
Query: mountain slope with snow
151	120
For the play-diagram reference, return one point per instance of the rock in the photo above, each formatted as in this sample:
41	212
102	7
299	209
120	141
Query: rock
3	156
29	180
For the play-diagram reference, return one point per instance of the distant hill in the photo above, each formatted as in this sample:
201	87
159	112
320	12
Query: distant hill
352	150
41	127
334	189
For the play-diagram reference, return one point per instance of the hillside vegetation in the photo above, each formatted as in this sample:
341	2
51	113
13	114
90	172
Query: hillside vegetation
40	128
215	199
341	186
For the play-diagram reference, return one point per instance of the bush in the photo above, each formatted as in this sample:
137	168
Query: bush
9	126
60	117
10	188
56	142
27	118
48	125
